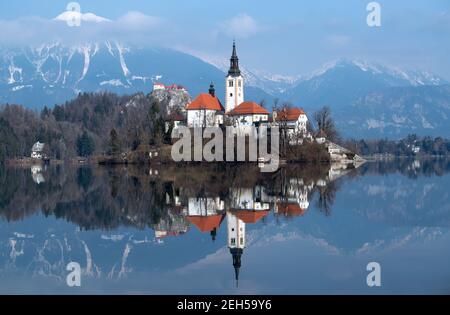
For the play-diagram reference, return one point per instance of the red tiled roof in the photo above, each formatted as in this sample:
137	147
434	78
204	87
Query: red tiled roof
251	216
248	108
289	114
205	101
290	209
206	223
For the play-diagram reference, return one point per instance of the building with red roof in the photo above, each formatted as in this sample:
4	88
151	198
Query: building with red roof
293	124
250	216
248	108
289	209
248	114
206	223
174	120
161	86
288	114
205	110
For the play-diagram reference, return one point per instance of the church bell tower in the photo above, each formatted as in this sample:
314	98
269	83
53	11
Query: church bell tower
234	84
236	241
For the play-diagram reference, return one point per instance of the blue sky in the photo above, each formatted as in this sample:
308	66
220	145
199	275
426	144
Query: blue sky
286	36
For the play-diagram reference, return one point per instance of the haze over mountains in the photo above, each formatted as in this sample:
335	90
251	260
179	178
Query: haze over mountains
370	99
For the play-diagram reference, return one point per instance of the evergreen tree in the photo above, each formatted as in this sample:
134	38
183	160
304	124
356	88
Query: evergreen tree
85	145
58	112
114	142
85	118
9	143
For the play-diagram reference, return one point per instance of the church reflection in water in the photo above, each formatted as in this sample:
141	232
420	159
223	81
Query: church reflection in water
242	206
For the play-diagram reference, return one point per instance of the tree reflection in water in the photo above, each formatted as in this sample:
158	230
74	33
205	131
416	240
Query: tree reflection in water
107	198
173	201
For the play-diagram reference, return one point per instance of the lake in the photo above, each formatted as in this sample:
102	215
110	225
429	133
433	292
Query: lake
226	229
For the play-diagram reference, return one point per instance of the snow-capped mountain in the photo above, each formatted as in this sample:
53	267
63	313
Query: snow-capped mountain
342	81
392	75
274	84
375	100
54	73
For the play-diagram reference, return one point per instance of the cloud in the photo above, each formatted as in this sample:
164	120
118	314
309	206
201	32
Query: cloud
138	21
133	26
82	17
241	26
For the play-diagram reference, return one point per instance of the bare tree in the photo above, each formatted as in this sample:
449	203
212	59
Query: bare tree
326	124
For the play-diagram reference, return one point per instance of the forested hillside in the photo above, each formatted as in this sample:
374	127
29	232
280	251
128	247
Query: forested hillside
82	126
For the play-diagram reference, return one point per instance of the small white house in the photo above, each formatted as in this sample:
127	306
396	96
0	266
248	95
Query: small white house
37	151
321	137
205	111
36	173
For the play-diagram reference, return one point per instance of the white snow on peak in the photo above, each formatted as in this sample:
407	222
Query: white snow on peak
12	71
87	60
96	49
20	87
115	82
122	50
367	66
84	17
342	62
141	78
110	48
290	79
325	68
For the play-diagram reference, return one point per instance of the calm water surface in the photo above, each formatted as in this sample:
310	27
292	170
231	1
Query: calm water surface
226	230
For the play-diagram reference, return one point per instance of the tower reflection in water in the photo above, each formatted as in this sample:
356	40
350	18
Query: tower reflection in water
242	206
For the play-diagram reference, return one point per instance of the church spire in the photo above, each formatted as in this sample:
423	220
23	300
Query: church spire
234	63
212	90
236	253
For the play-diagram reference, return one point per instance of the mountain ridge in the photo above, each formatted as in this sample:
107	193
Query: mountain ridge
54	73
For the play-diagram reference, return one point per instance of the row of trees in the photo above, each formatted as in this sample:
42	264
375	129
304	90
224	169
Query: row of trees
412	145
83	126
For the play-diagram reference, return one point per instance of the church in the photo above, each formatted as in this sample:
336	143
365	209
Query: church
206	110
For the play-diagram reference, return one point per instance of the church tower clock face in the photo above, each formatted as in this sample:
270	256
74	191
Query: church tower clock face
234	85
